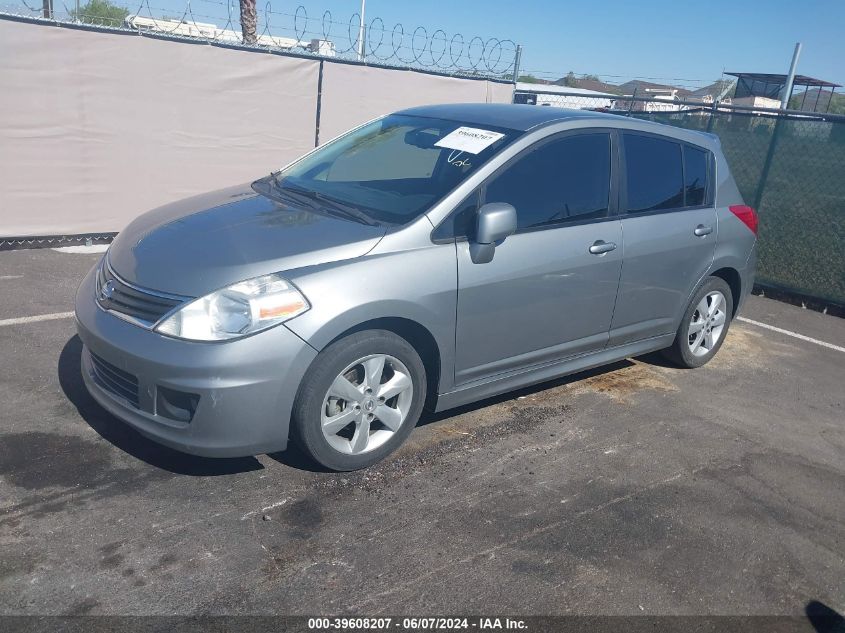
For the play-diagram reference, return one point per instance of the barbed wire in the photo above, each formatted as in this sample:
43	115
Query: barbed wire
301	33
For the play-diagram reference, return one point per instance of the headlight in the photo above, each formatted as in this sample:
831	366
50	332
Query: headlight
240	309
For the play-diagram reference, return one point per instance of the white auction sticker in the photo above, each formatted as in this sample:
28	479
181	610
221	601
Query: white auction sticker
469	139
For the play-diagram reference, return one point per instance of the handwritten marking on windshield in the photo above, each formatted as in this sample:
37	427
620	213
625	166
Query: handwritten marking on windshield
453	159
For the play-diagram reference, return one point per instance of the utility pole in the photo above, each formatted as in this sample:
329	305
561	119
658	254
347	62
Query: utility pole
47	7
361	32
790	79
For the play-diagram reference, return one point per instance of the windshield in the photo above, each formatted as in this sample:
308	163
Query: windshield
392	170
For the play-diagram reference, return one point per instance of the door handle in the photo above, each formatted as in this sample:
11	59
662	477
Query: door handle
702	230
600	247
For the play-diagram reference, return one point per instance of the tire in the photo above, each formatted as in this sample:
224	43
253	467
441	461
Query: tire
691	349
325	402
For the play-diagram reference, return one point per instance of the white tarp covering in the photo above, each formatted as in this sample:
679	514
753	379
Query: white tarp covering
354	94
96	128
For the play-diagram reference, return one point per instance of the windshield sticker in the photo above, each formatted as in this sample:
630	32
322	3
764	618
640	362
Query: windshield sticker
469	139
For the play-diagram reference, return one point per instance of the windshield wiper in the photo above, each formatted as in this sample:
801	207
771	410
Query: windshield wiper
328	204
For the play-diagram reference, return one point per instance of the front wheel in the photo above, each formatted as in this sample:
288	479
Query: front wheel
359	400
704	325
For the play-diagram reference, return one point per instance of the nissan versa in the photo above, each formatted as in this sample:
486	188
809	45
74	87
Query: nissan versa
433	257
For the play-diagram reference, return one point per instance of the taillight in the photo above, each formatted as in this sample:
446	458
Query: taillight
747	215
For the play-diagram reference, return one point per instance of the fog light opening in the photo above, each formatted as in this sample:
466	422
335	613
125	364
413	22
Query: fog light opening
176	405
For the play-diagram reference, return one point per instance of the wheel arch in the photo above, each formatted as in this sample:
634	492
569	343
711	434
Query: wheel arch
420	338
731	277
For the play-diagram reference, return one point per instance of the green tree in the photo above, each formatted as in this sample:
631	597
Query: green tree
837	105
530	79
571	80
101	12
837	102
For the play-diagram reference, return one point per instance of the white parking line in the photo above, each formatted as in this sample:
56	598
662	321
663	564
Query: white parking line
94	248
792	334
34	319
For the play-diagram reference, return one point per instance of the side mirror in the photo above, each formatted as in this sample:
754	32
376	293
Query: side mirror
495	222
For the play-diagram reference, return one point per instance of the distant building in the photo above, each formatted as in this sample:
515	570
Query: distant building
645	88
659	99
205	30
756	101
560	96
717	91
593	85
765	90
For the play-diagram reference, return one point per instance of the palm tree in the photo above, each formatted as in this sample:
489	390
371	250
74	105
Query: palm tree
248	22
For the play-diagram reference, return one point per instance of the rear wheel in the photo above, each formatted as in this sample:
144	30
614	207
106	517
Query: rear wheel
704	325
359	400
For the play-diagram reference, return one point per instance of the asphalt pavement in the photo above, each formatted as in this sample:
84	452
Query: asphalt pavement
635	489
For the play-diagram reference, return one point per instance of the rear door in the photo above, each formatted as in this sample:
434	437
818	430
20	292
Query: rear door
550	289
669	228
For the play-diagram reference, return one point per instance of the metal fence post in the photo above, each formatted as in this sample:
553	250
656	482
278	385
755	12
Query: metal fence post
631	106
319	105
712	116
517	58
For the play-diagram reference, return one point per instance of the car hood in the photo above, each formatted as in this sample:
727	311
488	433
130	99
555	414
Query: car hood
204	243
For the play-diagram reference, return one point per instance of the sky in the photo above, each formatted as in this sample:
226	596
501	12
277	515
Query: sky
685	42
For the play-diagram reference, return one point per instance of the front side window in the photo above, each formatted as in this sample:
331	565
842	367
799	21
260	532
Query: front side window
654	173
392	170
563	180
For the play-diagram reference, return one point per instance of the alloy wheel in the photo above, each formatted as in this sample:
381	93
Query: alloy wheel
366	404
707	323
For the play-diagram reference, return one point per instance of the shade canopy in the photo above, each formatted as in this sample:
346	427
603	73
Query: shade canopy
771	85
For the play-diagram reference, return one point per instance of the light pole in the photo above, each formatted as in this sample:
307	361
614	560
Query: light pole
787	89
361	32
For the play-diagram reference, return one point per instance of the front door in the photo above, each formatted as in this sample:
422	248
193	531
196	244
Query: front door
550	290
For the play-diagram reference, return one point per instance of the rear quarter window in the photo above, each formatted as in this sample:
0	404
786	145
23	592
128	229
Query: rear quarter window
695	176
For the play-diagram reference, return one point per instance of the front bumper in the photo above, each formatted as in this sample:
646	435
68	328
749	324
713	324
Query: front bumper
245	387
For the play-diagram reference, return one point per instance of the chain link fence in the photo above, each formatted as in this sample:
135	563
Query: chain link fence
789	165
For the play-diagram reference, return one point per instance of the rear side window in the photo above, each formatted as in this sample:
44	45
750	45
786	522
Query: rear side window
695	176
654	173
564	180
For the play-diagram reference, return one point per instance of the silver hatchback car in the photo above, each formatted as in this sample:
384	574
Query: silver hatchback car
432	257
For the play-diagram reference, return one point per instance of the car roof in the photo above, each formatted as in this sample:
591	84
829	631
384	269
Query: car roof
525	117
515	116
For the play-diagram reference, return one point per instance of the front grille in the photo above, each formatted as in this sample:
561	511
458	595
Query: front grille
119	382
119	296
